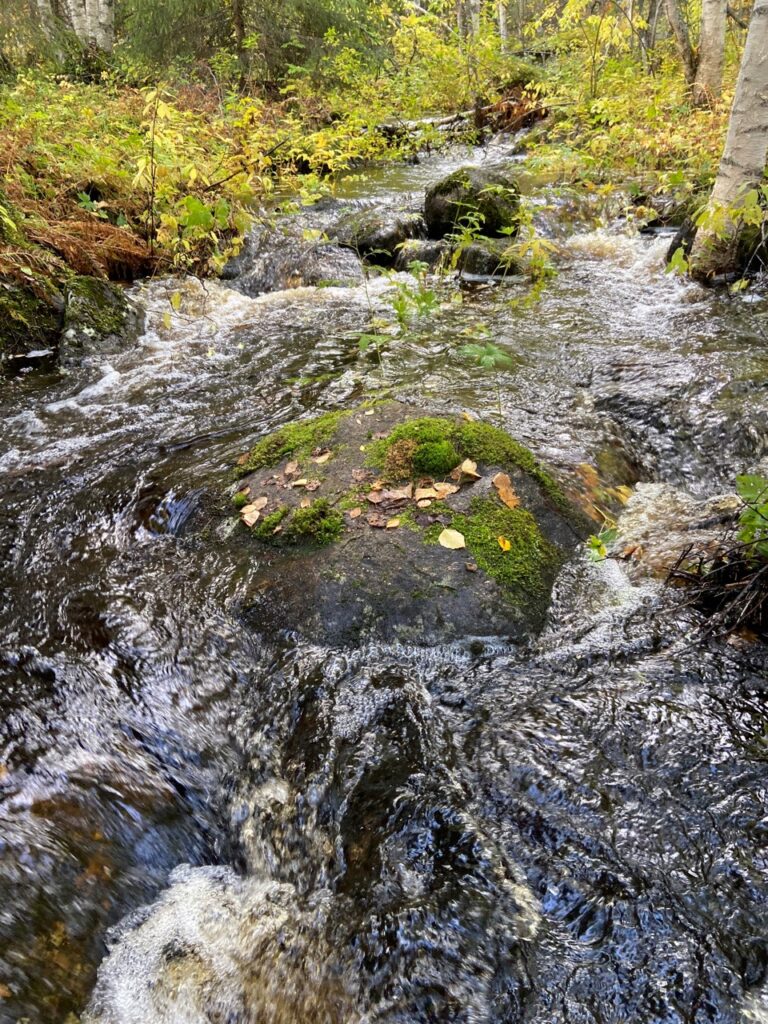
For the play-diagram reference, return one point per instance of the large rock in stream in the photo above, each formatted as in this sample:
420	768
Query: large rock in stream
491	196
348	517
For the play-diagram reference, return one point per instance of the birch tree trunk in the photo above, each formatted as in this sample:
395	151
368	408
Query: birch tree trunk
105	33
746	146
75	15
503	26
682	39
708	83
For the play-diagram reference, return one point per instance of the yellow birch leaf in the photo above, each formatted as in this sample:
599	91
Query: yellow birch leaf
451	539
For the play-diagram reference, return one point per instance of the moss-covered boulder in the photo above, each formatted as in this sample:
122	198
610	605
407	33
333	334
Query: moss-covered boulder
489	197
30	318
379	523
378	235
98	319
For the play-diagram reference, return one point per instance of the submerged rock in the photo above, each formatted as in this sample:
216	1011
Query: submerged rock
488	257
274	260
434	252
492	195
659	522
377	524
218	947
377	235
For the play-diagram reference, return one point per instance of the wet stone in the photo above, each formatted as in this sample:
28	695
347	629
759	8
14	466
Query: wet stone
355	537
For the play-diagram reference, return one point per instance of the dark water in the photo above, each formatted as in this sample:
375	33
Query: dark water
574	832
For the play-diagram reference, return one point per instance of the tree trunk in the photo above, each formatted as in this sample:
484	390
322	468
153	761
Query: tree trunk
474	16
708	83
503	25
238	26
682	39
75	16
105	35
743	161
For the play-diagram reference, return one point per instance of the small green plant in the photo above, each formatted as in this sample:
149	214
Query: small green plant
753	520
597	544
489	357
408	301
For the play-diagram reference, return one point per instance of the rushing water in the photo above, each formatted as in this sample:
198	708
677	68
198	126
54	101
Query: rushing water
574	832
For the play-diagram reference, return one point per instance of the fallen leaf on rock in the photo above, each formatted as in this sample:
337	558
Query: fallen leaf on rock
376	520
503	485
245	490
5	992
355	513
375	497
300	483
250	515
291	469
369	412
467	468
313	485
504	544
305	503
242	459
277	529
380	435
451	539
322	459
424	503
470	567
377	485
467	417
444	490
399	494
392	524
424	492
259	503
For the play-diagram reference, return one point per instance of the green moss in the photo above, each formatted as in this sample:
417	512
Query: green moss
95	304
297	439
530	564
240	500
265	529
26	321
319	524
435	459
454	441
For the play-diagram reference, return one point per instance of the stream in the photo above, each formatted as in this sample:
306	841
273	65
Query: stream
571	832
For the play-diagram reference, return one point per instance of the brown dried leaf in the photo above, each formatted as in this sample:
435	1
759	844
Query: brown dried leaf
355	513
424	492
375	497
469	468
445	490
305	503
291	469
451	539
503	485
470	566
250	515
399	494
369	412
320	460
424	503
300	483
377	485
259	503
313	485
376	520
392	524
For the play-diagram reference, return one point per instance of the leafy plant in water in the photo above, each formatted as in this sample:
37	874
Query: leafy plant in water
489	357
597	543
753	520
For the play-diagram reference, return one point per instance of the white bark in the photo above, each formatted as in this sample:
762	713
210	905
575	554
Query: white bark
75	10
46	17
746	147
708	83
503	25
105	35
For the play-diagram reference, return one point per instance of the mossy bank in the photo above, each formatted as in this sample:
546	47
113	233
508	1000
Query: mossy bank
340	519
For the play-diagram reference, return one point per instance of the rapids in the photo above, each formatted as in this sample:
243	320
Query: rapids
196	825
